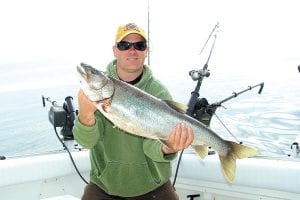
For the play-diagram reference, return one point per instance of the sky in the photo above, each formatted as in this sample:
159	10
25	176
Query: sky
252	34
68	29
255	37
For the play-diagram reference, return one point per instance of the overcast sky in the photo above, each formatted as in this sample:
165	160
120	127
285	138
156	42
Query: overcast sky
256	34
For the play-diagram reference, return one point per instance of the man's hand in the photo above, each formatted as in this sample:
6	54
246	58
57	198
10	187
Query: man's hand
86	110
181	137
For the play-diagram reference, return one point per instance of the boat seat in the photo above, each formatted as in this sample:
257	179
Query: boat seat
63	197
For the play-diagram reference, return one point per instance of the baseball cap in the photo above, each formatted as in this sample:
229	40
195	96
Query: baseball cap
127	29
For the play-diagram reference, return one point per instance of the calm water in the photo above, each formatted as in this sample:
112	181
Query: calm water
269	121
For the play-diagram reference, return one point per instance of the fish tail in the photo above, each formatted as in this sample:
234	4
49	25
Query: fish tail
228	162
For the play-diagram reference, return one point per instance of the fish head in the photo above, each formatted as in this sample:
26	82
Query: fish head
94	83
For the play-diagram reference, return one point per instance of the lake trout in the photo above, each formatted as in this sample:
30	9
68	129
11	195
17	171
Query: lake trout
139	113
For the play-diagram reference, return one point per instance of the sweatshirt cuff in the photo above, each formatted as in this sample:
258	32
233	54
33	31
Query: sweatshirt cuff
85	128
152	149
86	136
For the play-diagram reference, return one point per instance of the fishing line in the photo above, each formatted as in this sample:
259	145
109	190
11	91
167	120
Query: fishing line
216	26
70	155
227	129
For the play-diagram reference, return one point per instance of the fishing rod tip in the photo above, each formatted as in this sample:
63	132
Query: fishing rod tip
261	87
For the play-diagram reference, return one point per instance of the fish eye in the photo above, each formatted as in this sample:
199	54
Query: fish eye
94	72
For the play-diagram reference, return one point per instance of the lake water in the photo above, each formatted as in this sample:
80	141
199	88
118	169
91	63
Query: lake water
269	122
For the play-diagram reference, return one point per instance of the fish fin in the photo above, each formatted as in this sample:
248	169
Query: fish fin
202	150
228	162
176	106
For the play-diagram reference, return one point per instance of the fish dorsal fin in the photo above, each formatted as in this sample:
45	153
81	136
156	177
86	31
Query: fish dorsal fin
177	106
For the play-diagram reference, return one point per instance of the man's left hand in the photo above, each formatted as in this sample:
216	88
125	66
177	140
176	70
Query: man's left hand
180	138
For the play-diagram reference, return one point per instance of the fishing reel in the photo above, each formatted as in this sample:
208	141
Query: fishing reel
203	112
62	116
295	148
198	74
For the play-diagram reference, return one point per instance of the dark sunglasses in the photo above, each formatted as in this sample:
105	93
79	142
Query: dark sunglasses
123	46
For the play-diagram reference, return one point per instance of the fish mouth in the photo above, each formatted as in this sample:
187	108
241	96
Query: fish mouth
81	70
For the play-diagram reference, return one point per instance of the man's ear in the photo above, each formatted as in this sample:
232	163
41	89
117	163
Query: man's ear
114	48
146	52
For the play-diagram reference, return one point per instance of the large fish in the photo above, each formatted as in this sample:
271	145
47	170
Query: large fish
142	114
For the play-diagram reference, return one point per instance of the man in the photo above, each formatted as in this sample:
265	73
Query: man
124	166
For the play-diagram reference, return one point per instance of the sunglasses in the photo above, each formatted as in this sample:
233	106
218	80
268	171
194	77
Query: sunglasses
123	45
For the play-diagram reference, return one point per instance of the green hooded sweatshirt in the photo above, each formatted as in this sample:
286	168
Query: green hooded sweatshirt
123	164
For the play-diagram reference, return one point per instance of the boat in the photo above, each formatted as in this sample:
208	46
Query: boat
62	175
52	176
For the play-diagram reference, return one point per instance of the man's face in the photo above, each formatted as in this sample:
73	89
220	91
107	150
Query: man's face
131	60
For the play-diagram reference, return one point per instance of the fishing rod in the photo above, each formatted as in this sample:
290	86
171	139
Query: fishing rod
199	108
213	30
148	32
197	75
235	94
204	111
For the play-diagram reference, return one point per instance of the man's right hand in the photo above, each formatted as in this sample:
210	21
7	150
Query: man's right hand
86	109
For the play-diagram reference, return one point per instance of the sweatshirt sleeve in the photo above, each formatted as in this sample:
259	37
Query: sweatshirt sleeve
152	149
87	136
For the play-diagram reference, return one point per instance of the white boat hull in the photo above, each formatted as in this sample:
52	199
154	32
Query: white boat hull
53	177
